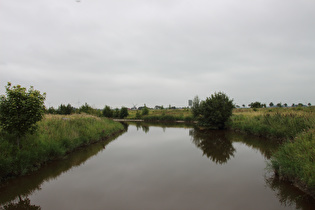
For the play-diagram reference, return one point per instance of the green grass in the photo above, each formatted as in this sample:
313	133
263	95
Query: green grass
295	160
163	115
56	136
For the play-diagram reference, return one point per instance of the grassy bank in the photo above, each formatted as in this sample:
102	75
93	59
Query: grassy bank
163	115
277	123
56	136
295	159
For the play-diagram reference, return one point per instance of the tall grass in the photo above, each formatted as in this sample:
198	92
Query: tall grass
56	136
295	160
278	125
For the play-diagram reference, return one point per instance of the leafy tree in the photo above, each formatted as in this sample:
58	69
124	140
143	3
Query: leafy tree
145	111
20	110
271	104
123	113
138	115
285	105
65	110
51	110
86	109
215	111
107	112
116	113
243	105
196	107
279	104
309	104
256	105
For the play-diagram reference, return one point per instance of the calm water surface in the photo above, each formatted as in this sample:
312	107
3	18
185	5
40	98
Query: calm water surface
155	167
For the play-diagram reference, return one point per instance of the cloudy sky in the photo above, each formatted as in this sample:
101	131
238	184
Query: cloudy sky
159	52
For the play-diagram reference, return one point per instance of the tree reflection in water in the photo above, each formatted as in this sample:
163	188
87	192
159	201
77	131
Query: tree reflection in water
22	204
214	144
288	194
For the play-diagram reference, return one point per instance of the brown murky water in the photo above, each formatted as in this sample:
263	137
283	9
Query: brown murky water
160	167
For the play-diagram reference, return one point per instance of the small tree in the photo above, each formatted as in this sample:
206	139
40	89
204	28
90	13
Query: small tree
107	112
271	104
20	110
145	111
216	111
196	107
65	110
123	113
256	105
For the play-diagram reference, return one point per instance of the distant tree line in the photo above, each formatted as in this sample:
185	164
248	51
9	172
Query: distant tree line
271	104
86	108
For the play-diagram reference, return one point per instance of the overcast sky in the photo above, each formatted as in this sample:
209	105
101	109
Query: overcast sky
159	52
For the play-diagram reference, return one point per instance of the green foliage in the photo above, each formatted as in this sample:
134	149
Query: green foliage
123	113
51	110
65	110
256	105
116	113
145	111
107	112
215	111
296	160
195	109
273	125
56	136
138	115
20	110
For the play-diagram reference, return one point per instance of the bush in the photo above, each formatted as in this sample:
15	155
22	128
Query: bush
65	110
215	111
123	113
107	112
145	111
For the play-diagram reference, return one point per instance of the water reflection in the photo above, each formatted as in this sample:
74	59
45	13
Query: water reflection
27	185
21	204
162	170
289	195
214	144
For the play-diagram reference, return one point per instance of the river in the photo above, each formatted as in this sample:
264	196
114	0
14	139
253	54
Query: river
158	166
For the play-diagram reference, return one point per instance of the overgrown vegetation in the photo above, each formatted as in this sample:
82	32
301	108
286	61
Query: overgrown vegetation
56	136
295	160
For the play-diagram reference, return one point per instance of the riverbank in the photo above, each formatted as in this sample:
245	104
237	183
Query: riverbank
57	135
295	128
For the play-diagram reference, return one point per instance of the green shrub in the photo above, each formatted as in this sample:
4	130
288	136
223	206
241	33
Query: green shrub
215	111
